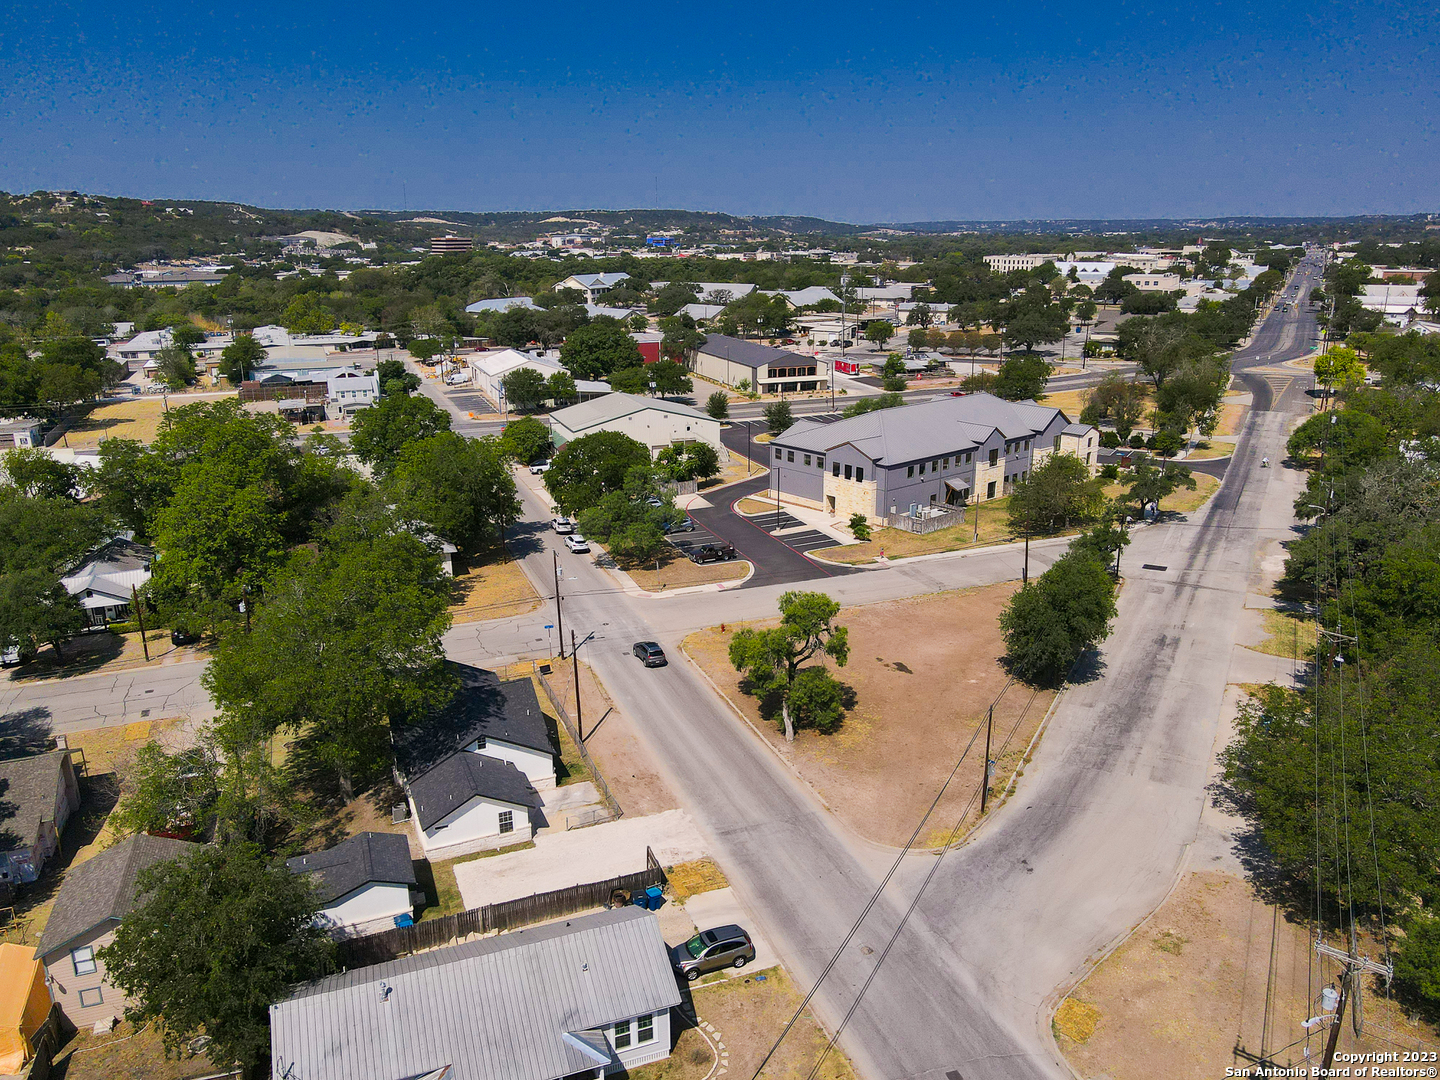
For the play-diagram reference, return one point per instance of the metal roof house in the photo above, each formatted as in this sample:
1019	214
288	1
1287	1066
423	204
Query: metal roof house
900	463
579	998
655	422
472	769
94	898
105	581
593	286
362	883
730	361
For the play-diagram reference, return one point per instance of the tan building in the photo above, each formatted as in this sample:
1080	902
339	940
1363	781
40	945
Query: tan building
765	369
95	897
653	421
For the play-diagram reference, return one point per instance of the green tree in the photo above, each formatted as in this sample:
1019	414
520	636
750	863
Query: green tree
1147	485
1033	318
879	331
690	461
525	388
599	347
425	349
35	474
778	416
669	378
1057	494
817	700
35	609
863	405
526	440
459	488
587	468
560	388
175	367
894	366
859	526
169	793
717	405
1117	398
394	379
305	314
1160	345
1050	623
672	297
1022	378
1339	369
921	315
771	659
65	384
379	433
630	380
242	356
217	938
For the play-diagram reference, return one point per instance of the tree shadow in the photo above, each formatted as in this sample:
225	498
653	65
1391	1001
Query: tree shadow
82	656
26	732
1264	873
523	538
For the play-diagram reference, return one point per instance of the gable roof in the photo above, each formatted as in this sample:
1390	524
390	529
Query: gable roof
498	1008
504	303
461	777
508	360
29	791
750	354
113	568
369	858
590	281
613	406
483	708
913	432
103	888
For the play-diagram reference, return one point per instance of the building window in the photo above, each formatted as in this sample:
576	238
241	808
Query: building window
922	468
835	468
507	821
807	459
83	959
847	472
790	455
622	1034
778	452
1057	442
969	456
935	465
1027	444
91	996
994	457
859	474
947	463
820	462
909	471
990	490
645	1029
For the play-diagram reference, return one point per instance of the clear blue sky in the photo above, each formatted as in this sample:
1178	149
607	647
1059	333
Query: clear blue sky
886	112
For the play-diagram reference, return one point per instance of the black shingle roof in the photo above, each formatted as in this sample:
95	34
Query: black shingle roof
365	859
29	791
461	777
483	707
103	888
750	354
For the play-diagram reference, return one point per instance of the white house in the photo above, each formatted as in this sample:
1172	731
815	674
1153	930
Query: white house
105	582
472	769
489	368
593	286
653	421
348	391
363	884
580	998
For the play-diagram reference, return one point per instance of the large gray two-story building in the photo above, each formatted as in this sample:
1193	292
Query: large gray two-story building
946	452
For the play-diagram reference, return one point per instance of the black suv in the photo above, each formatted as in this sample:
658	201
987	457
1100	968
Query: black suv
713	553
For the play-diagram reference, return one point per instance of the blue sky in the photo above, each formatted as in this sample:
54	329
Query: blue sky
856	112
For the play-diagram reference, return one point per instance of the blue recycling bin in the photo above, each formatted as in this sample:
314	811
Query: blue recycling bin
639	899
404	920
654	897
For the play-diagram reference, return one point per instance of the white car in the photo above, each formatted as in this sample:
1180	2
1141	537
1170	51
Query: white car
577	543
539	467
563	525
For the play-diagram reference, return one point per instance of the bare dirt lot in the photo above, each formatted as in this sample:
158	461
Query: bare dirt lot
920	697
496	589
1190	985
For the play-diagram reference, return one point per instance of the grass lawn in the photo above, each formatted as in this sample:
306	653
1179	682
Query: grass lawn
1205	453
491	590
1182	501
899	544
881	769
125	1054
442	894
675	571
138	419
746	1014
752	505
1287	633
1070	402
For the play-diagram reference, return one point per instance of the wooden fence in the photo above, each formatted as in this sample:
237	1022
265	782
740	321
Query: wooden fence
403	940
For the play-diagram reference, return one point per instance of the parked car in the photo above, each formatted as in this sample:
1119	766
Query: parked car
688	525
651	653
179	636
577	543
538	467
654	501
563	525
713	553
711	950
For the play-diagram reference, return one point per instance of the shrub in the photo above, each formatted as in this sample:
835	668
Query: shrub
717	405
1137	441
1110	472
860	526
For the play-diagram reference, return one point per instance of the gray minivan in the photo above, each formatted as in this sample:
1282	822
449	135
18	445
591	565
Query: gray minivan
711	950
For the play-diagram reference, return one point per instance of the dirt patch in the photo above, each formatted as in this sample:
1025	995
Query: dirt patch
125	1054
442	892
138	419
742	1018
1191	984
750	505
1231	417
675	571
492	590
689	878
880	771
899	544
737	468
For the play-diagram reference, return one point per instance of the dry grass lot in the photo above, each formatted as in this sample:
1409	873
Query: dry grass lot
491	590
1070	402
745	1015
92	653
675	571
884	765
690	878
1206	451
1182	501
899	544
126	1054
752	505
1232	415
1287	633
138	419
1191	982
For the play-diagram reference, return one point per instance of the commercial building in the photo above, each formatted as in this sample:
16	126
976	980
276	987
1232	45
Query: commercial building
1155	282
941	453
655	422
451	245
763	368
1006	264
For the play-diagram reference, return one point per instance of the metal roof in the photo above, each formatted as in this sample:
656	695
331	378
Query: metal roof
103	888
521	1006
923	430
611	407
365	859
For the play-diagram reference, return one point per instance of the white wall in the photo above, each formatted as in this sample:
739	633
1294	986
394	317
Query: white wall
538	766
473	827
369	908
644	1053
657	429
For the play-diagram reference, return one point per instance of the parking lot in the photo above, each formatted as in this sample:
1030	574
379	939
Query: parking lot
689	541
791	531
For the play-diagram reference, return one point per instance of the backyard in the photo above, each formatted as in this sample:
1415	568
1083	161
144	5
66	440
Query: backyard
895	748
900	544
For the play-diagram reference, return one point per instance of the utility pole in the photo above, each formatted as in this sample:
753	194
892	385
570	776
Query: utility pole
140	617
1025	573
1350	990
559	619
985	782
575	662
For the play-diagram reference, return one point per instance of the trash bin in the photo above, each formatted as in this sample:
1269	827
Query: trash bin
404	920
640	899
654	897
